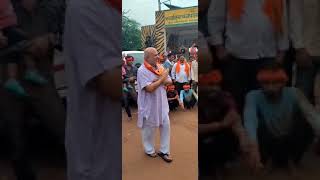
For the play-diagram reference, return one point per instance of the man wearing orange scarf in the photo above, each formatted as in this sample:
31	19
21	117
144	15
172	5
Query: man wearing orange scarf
246	35
153	107
221	134
181	73
279	120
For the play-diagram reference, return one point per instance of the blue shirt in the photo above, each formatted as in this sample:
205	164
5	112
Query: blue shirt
186	95
279	117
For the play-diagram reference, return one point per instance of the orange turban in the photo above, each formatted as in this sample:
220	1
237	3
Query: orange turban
186	87
212	78
272	75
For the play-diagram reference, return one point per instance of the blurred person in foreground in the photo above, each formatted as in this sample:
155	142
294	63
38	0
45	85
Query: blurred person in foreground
93	49
280	121
221	135
153	108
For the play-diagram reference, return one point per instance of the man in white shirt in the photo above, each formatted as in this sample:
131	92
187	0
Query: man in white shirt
181	73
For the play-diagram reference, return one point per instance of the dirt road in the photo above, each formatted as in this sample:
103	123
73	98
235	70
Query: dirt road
309	170
184	149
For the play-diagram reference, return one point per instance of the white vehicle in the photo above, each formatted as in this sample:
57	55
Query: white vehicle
138	56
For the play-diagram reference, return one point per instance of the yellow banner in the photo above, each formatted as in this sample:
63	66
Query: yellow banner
181	16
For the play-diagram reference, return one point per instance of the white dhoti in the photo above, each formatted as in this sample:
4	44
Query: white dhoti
148	136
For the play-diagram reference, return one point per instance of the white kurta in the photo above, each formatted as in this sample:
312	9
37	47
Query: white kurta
93	130
153	106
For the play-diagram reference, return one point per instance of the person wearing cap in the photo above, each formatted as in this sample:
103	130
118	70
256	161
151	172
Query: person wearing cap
221	134
279	120
153	107
181	73
188	98
173	97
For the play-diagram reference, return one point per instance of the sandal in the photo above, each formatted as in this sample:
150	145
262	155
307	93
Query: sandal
153	155
165	157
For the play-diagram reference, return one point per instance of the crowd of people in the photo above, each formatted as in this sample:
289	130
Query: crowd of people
250	104
184	73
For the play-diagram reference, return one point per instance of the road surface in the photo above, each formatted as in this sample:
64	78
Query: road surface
184	149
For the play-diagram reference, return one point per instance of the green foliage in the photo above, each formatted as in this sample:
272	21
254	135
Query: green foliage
131	34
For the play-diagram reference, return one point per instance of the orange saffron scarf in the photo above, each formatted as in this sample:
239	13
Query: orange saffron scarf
157	72
272	8
186	67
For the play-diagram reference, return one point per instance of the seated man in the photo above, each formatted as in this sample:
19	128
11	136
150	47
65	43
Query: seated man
220	129
188	97
279	120
173	97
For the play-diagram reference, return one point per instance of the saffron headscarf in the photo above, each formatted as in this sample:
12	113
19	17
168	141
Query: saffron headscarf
129	59
186	87
272	75
214	77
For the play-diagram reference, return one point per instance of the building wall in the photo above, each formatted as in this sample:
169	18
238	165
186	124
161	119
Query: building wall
146	33
173	29
160	31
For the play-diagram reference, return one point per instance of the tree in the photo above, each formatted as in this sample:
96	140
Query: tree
131	34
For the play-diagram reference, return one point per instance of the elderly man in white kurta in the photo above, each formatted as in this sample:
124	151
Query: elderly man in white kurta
153	108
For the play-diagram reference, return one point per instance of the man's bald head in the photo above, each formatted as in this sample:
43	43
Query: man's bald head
151	55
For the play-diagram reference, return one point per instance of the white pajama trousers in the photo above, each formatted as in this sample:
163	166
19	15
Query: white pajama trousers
148	136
